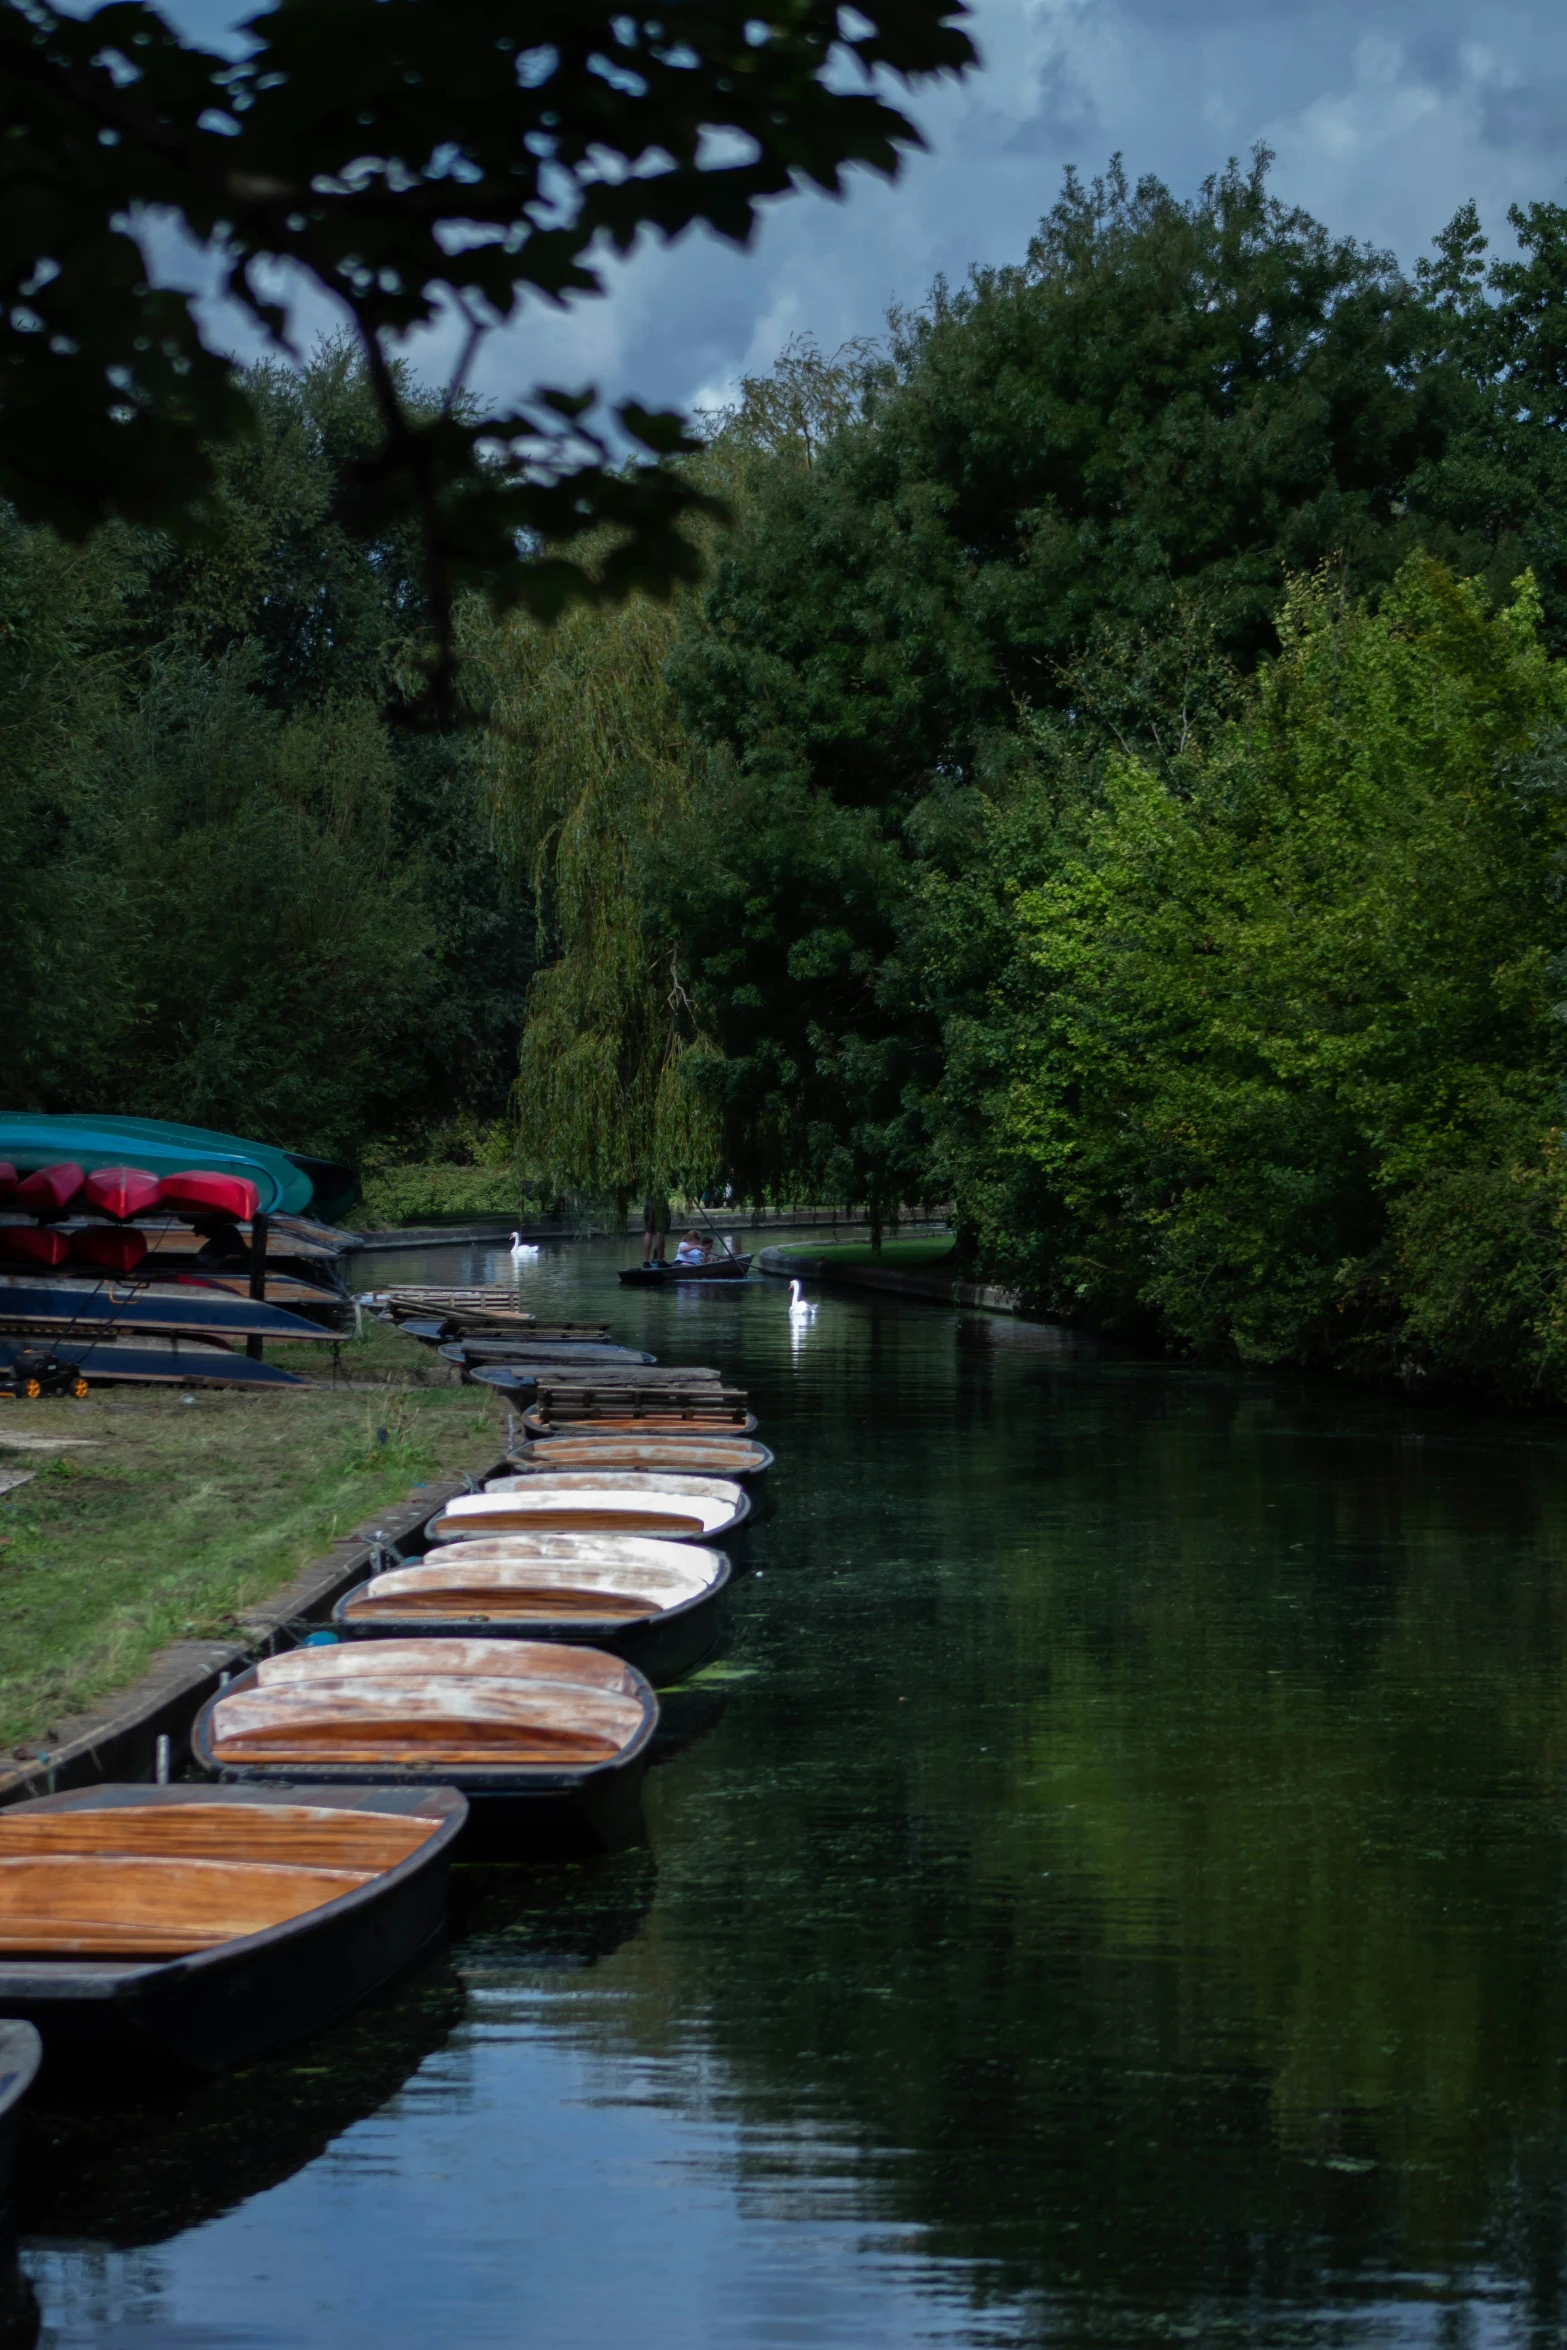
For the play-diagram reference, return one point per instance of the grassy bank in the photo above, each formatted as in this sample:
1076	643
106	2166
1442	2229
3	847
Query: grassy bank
157	1519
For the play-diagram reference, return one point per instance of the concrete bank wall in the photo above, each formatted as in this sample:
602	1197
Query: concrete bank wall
791	1265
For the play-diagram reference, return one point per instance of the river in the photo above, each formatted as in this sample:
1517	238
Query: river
1112	1891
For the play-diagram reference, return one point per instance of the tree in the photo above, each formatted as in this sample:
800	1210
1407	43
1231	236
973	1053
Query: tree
1277	1051
413	161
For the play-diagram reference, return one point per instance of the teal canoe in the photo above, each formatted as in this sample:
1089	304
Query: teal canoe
29	1139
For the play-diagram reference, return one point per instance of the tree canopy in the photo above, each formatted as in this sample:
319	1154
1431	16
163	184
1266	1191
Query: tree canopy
413	161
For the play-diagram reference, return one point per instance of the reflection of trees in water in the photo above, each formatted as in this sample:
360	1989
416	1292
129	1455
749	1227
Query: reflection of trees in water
1154	1870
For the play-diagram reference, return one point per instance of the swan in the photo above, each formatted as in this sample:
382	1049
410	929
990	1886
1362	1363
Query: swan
523	1251
800	1307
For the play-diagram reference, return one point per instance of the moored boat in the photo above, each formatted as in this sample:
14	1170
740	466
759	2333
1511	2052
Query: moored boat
544	1420
547	1742
208	1924
597	1501
657	1604
21	2053
42	1309
691	1454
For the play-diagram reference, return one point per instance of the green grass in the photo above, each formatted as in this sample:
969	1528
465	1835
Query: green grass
908	1256
173	1516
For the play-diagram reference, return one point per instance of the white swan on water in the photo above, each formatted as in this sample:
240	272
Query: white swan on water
523	1251
800	1306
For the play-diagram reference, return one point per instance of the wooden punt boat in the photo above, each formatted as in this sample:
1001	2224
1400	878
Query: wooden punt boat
121	1192
662	1276
542	1423
209	1923
547	1742
690	1455
657	1604
21	2053
597	1501
173	1362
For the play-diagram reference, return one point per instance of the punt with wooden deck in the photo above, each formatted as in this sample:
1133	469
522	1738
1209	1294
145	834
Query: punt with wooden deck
207	1924
548	1743
657	1604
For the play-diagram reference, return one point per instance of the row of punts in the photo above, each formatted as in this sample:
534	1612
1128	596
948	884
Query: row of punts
489	1691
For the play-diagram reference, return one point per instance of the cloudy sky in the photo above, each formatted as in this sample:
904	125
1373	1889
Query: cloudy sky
1384	115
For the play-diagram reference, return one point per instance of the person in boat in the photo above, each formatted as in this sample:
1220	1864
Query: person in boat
693	1250
655	1228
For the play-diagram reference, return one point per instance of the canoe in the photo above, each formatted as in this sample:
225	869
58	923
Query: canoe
693	1455
662	1276
208	1924
121	1192
202	1192
592	1501
42	1309
35	1244
541	1424
548	1743
657	1604
174	1362
34	1140
49	1190
116	1252
21	2053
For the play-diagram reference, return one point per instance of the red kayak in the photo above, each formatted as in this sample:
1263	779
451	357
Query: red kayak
198	1194
51	1190
39	1245
117	1252
121	1192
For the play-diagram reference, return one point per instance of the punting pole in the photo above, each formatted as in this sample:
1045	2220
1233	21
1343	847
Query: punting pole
258	1273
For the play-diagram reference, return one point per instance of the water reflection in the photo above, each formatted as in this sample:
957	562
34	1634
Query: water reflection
1118	1896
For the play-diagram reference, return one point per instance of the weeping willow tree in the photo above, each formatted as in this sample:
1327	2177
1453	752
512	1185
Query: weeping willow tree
587	762
621	1082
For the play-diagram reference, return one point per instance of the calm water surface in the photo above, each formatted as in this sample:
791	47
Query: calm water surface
1113	1891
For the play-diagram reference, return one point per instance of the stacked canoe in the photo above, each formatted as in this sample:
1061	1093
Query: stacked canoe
119	1273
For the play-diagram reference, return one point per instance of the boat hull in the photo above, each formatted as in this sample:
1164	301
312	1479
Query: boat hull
224	2006
662	1648
515	1811
21	2053
662	1276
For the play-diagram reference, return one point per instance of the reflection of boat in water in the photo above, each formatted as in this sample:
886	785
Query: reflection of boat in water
20	2316
561	1915
138	2158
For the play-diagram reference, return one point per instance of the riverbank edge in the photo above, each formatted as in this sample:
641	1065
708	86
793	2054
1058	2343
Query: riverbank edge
790	1264
493	1228
118	1738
